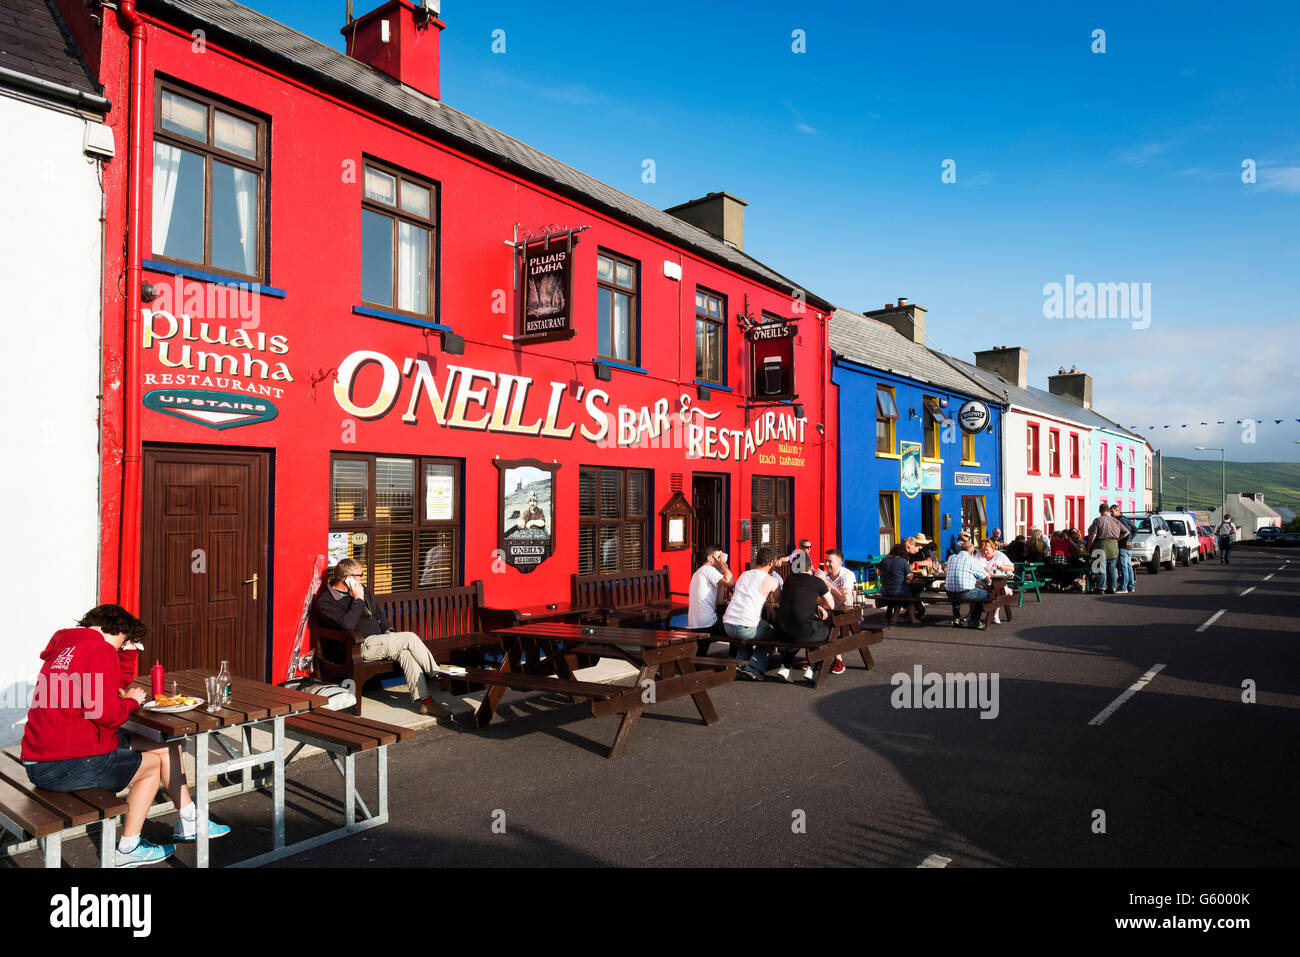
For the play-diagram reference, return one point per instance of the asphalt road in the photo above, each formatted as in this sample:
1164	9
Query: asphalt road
1183	773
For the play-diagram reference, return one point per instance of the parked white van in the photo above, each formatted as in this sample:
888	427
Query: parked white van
1187	543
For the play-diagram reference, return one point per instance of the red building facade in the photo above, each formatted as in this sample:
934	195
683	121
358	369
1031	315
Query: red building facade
371	384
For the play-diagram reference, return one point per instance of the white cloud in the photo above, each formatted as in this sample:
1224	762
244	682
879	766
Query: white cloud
1142	154
1283	178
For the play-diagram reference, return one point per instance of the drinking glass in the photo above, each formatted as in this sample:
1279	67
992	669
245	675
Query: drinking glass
212	685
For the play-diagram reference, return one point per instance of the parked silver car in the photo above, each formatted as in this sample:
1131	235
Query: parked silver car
1153	544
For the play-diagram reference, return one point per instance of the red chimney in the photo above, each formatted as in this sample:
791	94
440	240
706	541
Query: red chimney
401	39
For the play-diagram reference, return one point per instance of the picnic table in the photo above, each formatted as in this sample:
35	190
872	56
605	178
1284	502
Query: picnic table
665	664
255	705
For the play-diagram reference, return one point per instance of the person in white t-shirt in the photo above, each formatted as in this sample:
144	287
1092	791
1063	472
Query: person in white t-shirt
702	614
743	620
840	581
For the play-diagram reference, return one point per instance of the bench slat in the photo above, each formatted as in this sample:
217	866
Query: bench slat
520	682
65	804
29	814
350	738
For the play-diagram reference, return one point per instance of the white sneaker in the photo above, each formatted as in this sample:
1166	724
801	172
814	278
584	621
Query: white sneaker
997	619
809	674
783	674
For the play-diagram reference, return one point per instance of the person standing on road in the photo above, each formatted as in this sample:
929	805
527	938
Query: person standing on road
1104	536
1226	531
1126	585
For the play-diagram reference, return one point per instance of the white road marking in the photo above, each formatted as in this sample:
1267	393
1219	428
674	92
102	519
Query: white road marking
1268	576
1212	619
1133	689
1247	592
934	860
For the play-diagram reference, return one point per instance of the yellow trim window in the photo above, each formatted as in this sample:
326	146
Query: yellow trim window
889	534
930	431
968	449
886	421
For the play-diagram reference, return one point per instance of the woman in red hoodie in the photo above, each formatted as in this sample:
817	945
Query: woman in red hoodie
73	738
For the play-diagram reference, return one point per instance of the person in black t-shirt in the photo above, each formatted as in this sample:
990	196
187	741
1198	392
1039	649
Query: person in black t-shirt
804	612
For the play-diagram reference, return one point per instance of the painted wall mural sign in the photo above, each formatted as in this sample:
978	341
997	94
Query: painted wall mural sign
460	397
527	536
208	355
931	476
216	410
909	468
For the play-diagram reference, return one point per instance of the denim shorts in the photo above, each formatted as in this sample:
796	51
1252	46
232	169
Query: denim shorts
112	771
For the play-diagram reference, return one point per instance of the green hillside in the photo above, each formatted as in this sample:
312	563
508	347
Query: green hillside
1279	481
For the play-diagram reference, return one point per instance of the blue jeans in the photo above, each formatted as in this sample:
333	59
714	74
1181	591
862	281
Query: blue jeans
1105	578
763	631
970	594
1225	547
1125	567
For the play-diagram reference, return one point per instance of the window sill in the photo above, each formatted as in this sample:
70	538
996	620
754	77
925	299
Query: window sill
713	385
154	265
1033	472
399	318
888	455
975	464
933	461
625	366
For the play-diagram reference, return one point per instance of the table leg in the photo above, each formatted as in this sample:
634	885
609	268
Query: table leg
511	664
632	717
703	703
201	799
277	809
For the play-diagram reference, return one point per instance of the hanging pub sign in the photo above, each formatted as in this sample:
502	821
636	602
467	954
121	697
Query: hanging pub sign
527	518
771	354
545	283
973	416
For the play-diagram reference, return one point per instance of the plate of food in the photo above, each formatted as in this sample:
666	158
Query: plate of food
167	704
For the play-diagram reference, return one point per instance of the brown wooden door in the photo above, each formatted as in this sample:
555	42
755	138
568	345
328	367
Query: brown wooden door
204	538
708	498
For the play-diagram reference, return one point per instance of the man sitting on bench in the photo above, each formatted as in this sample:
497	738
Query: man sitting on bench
803	612
702	615
840	581
966	580
347	605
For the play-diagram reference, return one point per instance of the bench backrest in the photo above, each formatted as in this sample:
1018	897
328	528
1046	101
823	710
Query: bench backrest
618	590
432	613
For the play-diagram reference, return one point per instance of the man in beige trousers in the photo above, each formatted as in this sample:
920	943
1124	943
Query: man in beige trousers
347	605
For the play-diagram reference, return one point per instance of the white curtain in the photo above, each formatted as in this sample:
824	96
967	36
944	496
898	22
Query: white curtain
166	173
621	347
412	268
246	209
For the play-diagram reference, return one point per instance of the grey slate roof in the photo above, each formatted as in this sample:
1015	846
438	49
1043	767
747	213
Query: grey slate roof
1041	401
34	41
880	346
262	38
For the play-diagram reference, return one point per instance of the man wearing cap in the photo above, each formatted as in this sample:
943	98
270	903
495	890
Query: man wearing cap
963	539
1104	536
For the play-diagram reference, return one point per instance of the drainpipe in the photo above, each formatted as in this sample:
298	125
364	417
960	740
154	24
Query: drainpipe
129	533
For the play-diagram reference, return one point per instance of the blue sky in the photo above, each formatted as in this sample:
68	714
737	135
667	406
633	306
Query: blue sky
1122	166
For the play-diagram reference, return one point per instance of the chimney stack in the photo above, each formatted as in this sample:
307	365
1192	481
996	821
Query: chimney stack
719	214
1010	363
1073	385
401	39
907	318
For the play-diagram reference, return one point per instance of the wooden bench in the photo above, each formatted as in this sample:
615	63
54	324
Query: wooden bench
621	598
42	819
343	737
447	620
848	633
1003	602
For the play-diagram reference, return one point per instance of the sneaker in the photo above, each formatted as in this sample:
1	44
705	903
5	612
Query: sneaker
837	666
145	852
783	674
189	830
747	674
810	675
996	620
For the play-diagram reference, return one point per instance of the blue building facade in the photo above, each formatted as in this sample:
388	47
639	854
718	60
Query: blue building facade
906	463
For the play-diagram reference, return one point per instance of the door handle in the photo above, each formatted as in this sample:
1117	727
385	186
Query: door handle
253	582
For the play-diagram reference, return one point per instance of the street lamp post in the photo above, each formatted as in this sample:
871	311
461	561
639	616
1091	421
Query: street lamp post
1187	502
1223	479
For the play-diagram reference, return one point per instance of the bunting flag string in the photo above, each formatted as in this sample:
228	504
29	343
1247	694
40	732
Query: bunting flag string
1219	422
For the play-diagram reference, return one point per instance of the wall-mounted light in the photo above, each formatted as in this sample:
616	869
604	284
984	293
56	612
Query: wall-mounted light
798	411
943	402
603	372
148	292
821	429
453	344
704	392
